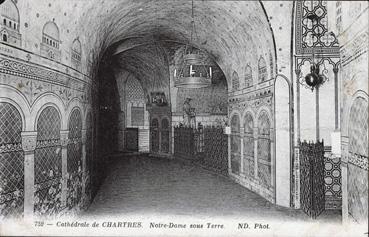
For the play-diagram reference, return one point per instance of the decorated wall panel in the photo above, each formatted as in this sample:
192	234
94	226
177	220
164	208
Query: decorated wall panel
248	147
48	163
264	151
235	144
11	162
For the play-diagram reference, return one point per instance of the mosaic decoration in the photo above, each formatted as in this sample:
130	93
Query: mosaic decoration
11	162
48	163
248	77
165	133
235	81
74	163
262	69
332	179
317	35
154	134
248	147
264	151
312	185
235	144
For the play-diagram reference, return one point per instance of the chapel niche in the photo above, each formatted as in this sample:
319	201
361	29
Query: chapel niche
9	32
50	45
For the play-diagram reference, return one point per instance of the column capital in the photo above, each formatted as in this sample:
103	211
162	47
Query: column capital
335	69
64	137
29	139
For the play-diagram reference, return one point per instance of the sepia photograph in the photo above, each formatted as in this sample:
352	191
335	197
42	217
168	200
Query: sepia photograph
184	118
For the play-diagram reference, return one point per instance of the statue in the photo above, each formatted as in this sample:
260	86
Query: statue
188	113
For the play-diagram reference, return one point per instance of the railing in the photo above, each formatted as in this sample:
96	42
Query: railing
205	146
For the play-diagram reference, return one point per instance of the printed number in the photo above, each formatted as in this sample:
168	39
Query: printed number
39	223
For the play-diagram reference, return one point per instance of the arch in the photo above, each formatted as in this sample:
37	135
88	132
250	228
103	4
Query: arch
358	123
235	81
235	123
48	99
264	156
17	99
51	30
264	124
75	103
77	46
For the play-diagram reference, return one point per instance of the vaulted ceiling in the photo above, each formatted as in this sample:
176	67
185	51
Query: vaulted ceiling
141	33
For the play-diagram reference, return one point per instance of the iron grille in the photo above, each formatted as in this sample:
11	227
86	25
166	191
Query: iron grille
11	162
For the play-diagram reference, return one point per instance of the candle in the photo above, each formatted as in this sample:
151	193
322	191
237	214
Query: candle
210	72
175	72
191	72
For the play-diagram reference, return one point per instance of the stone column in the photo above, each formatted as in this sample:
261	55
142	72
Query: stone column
29	140
229	155
64	147
84	175
242	172
256	132
296	166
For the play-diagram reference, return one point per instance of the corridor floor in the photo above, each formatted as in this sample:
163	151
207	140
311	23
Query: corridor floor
143	185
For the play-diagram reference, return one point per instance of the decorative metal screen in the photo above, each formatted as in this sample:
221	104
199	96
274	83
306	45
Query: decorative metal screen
264	151
235	144
137	116
165	135
11	162
248	147
312	187
332	179
184	143
48	163
154	131
262	69
74	163
215	155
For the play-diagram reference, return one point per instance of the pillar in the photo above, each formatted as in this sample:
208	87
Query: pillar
335	71
296	165
317	129
256	152
64	150
29	140
242	172
229	155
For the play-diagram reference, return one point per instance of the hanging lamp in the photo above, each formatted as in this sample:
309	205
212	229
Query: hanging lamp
193	72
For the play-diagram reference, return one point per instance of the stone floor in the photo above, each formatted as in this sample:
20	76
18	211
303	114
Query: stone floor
138	185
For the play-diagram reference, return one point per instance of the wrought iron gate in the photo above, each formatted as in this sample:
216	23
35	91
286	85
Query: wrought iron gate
312	185
215	147
184	143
